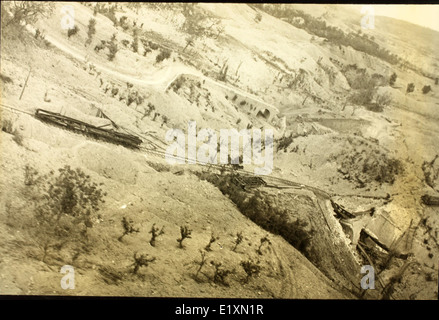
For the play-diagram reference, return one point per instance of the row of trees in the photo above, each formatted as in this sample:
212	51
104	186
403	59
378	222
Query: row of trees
358	41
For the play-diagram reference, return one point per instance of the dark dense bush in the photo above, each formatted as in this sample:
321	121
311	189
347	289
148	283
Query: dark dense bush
65	207
274	220
164	54
318	27
410	87
284	142
7	126
251	269
110	13
392	79
91	28
72	31
426	89
112	48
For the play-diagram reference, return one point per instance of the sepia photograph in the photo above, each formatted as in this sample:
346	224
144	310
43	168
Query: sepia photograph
261	151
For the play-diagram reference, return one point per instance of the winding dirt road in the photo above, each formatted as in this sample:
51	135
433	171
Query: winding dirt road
160	80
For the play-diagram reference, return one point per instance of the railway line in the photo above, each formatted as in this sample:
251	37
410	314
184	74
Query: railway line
139	142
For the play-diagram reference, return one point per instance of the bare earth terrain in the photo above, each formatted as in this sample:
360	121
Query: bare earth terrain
355	177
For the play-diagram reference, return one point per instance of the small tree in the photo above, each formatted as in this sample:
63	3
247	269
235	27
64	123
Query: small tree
410	88
141	261
26	11
392	79
155	232
426	89
91	29
238	240
135	44
190	40
212	240
128	228
250	268
65	209
112	50
201	263
123	22
185	233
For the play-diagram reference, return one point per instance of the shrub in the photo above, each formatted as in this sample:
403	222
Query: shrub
410	87
250	268
238	240
382	100
26	11
146	51
112	48
362	97
178	83
64	212
135	43
7	126
153	46
220	274
72	31
91	28
5	79
123	22
392	79
284	142
164	54
426	89
110	14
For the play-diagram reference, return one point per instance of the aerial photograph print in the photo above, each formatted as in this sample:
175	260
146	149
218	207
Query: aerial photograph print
261	151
